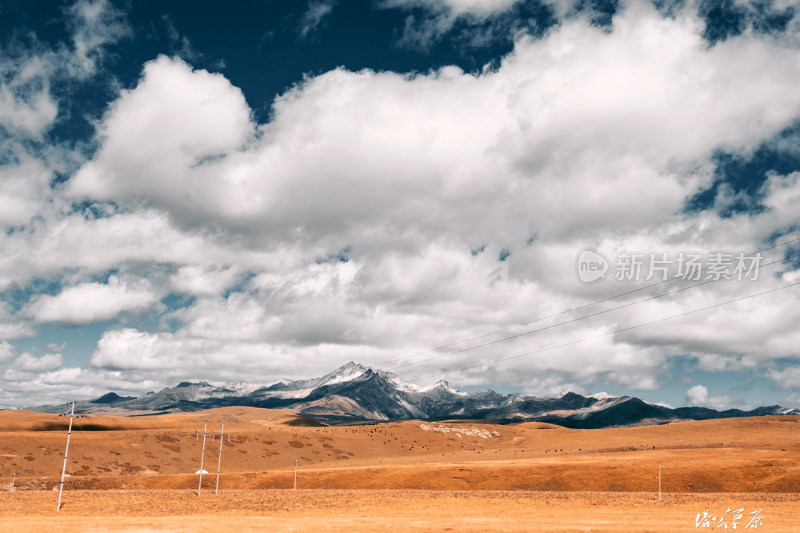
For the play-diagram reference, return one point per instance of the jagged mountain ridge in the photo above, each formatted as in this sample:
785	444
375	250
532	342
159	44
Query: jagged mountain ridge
354	393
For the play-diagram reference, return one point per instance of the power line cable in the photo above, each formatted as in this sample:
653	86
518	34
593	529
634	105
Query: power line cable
566	311
526	354
578	319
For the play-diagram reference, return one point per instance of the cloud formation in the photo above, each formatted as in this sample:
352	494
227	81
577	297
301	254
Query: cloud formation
698	395
86	303
629	119
377	214
315	16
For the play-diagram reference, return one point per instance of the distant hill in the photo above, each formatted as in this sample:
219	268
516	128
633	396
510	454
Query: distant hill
354	393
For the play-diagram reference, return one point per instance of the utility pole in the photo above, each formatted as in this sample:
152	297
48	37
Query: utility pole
202	456
295	474
66	453
13	481
659	481
219	460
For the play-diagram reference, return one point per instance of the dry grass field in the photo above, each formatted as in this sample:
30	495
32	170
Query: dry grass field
138	473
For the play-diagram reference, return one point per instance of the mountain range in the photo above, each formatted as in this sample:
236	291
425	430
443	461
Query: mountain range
356	394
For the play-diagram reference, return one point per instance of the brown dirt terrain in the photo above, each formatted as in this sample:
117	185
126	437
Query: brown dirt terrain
393	510
409	475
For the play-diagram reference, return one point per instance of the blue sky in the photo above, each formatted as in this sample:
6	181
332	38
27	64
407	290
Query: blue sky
267	189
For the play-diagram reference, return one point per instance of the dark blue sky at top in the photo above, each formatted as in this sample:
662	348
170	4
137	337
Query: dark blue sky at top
257	45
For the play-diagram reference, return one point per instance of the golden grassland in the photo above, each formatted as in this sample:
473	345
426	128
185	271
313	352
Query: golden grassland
138	473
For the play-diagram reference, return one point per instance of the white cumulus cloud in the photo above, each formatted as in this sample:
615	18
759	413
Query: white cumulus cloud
29	363
93	302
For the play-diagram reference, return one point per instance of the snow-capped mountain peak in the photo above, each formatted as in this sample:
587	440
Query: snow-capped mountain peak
344	373
355	393
443	385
